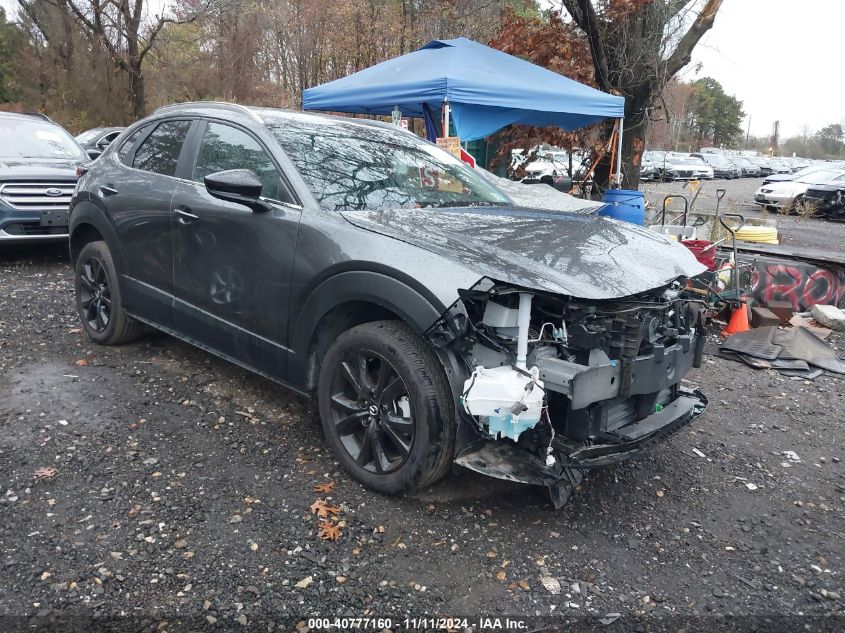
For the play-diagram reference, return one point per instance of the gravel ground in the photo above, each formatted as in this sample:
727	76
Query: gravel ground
183	484
792	230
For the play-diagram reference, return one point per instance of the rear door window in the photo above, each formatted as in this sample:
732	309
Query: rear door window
159	153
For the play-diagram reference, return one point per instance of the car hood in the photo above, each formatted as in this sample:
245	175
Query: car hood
40	169
579	255
789	187
780	177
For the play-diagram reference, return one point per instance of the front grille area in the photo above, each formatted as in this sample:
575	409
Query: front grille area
33	228
37	196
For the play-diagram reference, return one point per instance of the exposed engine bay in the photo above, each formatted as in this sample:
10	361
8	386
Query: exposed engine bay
553	386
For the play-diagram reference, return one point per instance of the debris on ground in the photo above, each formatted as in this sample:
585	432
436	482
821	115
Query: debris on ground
45	472
794	352
801	319
829	316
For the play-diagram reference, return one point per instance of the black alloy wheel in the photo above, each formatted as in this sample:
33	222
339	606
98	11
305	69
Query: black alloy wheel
386	407
98	299
372	412
95	296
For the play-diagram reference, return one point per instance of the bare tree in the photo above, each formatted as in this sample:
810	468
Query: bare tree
637	46
118	27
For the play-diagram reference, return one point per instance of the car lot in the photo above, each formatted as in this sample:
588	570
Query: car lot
797	231
183	484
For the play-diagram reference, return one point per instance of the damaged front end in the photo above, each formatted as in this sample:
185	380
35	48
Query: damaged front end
550	387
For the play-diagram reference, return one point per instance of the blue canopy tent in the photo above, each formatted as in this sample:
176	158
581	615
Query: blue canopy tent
483	90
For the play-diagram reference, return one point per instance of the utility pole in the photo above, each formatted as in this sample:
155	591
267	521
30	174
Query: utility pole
748	131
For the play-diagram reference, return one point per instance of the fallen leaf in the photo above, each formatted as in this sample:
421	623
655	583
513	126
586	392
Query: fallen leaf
303	584
81	362
253	547
523	584
501	575
323	509
74	330
324	489
134	510
659	493
327	531
180	543
45	472
46	575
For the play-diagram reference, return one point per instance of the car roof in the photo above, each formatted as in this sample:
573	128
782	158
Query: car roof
252	115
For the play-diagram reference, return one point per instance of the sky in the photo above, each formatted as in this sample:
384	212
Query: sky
779	57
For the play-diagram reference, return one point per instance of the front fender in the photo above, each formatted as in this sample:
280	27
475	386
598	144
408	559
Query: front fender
360	286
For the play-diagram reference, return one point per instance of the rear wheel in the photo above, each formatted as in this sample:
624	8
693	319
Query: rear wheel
385	407
98	299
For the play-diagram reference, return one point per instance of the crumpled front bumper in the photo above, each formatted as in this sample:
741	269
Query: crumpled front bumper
506	460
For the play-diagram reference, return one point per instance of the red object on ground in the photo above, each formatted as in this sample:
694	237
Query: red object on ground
708	257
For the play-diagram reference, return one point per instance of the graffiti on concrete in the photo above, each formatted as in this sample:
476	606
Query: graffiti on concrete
800	283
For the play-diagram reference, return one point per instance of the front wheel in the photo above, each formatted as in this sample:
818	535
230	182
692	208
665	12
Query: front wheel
98	299
386	408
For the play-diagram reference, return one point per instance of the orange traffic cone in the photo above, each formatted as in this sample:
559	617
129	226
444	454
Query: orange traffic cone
738	322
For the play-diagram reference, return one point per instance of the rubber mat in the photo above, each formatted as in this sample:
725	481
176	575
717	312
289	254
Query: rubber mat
785	363
758	343
801	344
806	375
756	363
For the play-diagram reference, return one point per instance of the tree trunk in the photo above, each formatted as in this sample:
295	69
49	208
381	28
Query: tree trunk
136	91
633	140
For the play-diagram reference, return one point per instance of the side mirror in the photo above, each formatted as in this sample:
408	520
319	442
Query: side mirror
103	144
94	154
241	186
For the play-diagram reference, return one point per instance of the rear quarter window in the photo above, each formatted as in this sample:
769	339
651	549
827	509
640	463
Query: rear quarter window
124	152
159	152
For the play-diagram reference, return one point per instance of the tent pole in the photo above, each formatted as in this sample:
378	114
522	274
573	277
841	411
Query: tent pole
446	112
619	153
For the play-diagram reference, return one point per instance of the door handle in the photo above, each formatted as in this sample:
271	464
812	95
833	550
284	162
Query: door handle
184	215
107	190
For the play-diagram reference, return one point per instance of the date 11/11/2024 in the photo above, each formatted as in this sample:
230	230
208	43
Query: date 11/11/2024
479	624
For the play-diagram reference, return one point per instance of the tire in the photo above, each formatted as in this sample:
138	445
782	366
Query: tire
98	299
374	379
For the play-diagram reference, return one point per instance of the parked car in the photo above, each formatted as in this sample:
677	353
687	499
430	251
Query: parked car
38	163
747	168
827	200
722	167
779	167
648	169
701	169
352	261
763	164
789	194
672	166
95	140
546	170
803	172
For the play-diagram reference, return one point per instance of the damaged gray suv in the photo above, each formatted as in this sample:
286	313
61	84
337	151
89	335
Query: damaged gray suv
433	321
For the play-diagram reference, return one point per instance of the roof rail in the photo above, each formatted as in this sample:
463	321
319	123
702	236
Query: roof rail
235	107
37	115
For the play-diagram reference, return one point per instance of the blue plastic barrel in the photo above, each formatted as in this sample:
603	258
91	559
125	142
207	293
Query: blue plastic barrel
624	204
